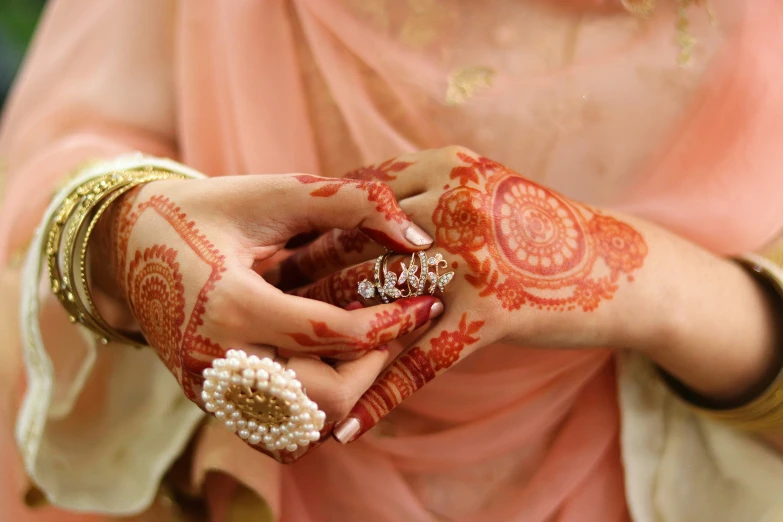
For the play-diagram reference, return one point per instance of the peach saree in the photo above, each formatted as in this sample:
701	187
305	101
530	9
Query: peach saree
590	102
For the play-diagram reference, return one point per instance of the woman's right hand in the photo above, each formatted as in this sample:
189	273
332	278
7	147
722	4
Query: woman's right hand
185	257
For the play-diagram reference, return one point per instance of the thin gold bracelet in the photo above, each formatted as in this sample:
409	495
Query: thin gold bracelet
764	413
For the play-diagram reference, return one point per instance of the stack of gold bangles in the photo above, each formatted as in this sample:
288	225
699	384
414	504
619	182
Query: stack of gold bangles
66	239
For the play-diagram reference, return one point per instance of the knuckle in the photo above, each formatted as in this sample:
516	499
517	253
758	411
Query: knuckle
450	155
224	312
338	402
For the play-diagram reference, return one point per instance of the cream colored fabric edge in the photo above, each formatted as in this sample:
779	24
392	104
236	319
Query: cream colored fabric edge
680	467
168	432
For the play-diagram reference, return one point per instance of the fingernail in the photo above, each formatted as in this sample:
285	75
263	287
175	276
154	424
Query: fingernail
383	348
436	310
417	236
347	430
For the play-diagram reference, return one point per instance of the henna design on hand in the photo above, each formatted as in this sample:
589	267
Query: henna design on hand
528	245
155	293
376	193
412	371
379	172
386	325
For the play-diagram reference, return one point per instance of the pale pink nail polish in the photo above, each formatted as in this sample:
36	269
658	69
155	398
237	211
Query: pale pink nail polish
347	430
436	310
417	236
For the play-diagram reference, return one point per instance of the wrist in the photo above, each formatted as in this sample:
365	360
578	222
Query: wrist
712	325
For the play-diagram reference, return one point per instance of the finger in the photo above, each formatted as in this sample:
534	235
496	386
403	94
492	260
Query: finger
341	288
398	173
437	351
335	389
326	203
321	329
332	251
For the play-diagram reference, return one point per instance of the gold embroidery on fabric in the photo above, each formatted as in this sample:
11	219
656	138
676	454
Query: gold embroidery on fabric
639	7
424	24
376	11
685	40
465	83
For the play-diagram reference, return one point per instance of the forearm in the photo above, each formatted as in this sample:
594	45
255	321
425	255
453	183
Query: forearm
708	322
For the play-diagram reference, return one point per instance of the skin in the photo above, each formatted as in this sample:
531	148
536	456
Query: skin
627	284
183	268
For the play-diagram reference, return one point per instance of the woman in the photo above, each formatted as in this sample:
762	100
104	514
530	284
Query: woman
585	98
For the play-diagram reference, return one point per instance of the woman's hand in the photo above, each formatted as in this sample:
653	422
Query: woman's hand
536	269
184	255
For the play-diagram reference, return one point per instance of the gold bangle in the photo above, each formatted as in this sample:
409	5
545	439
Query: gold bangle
66	234
764	413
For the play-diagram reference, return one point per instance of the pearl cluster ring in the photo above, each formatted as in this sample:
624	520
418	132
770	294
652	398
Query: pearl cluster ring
261	401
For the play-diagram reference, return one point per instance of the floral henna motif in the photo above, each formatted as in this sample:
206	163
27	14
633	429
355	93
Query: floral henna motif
413	370
157	298
386	326
376	193
380	172
528	245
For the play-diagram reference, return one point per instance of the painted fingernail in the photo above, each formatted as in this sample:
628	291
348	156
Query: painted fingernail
347	430
417	236
436	310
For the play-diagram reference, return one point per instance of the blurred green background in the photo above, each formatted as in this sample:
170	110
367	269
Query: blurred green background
17	23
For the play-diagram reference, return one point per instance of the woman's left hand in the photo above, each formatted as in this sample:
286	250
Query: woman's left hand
535	268
531	266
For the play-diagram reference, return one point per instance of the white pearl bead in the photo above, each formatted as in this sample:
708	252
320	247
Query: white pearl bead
294	408
221	388
308	427
234	364
277	366
262	385
253	361
224	376
262	375
313	436
320	416
248	383
220	414
236	415
209	373
271	447
210	406
229	407
231	353
268	439
243	434
279	445
279	381
242	423
291	447
209	385
219	364
252	425
220	402
288	395
254	438
266	362
305	417
274	430
262	429
275	391
247	373
236	379
285	440
231	425
295	385
303	442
